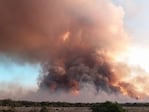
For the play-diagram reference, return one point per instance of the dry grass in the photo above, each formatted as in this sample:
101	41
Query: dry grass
137	109
71	109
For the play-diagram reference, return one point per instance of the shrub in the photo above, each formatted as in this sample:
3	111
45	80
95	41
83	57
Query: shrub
44	109
107	107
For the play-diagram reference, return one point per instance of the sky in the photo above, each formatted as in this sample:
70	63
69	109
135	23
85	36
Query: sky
21	74
135	21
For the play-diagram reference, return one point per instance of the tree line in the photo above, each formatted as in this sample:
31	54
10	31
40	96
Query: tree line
9	102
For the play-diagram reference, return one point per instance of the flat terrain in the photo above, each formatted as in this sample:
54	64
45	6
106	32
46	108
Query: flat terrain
137	109
72	109
51	109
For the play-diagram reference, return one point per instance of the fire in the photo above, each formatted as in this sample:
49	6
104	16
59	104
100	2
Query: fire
123	90
74	88
75	92
66	36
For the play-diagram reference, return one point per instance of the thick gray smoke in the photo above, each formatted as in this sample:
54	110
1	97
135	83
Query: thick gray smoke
74	41
77	68
80	53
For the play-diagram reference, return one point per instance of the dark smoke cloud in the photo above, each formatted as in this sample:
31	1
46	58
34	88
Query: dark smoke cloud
82	56
74	41
74	72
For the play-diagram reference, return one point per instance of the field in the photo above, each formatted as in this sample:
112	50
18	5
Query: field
137	109
9	105
72	109
50	109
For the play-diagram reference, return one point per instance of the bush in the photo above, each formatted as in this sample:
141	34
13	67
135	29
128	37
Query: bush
44	109
107	107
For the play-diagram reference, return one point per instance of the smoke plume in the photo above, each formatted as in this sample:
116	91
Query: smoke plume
74	41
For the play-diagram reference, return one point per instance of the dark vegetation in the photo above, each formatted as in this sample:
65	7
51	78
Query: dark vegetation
107	107
44	109
11	103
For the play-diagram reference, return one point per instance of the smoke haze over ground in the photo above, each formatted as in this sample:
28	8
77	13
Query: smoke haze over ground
75	43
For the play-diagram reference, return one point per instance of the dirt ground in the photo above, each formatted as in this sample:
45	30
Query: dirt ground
137	109
70	109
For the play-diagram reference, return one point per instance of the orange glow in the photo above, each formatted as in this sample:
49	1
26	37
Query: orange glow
113	29
66	36
136	56
124	91
75	92
75	88
137	60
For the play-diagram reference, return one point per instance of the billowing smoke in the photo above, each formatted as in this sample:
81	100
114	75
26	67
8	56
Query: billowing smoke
78	68
74	41
34	30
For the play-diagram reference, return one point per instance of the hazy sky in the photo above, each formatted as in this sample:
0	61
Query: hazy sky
136	19
136	23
